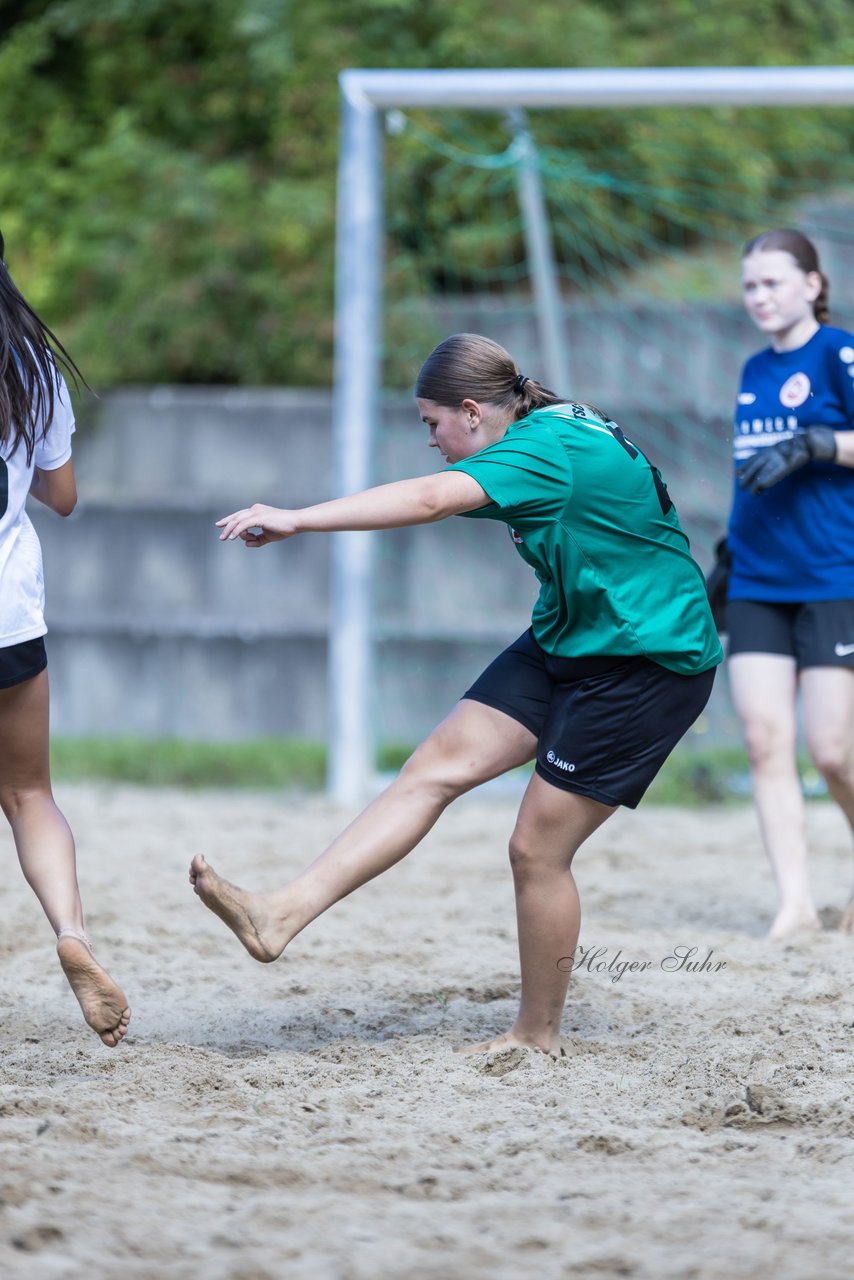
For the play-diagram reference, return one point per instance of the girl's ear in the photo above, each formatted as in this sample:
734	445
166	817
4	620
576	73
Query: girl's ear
473	412
814	283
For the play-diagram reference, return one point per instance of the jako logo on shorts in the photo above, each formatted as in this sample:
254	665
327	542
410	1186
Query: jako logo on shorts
560	764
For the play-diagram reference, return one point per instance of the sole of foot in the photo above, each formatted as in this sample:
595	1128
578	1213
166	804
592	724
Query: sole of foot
103	1002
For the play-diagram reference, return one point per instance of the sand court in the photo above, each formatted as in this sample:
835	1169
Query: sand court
309	1118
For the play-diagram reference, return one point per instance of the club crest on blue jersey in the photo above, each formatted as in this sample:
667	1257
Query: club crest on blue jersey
795	391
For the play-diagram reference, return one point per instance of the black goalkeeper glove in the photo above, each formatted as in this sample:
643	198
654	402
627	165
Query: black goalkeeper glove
768	466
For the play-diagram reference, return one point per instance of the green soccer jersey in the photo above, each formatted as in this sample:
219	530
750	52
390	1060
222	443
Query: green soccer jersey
593	518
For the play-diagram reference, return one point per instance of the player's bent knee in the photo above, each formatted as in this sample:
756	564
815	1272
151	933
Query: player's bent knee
765	743
430	770
13	799
445	766
833	763
524	859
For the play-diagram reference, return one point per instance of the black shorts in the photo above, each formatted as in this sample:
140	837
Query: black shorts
604	726
818	633
20	662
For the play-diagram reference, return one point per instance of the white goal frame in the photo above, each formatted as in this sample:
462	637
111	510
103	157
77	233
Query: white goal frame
358	289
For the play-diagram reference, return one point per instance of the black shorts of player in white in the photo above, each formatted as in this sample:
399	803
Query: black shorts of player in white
20	662
604	726
817	633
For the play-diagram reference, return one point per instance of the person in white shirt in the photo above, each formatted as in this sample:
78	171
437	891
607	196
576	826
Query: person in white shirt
36	425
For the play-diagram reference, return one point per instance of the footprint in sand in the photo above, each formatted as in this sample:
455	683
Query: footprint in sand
502	1061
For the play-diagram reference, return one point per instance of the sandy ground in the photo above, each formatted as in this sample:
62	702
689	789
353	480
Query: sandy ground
309	1119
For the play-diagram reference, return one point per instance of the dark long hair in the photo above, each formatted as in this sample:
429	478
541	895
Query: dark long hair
28	372
469	366
805	254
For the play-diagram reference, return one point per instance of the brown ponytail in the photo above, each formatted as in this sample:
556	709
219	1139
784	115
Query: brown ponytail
469	366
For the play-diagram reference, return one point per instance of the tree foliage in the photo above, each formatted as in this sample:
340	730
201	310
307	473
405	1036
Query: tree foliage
167	181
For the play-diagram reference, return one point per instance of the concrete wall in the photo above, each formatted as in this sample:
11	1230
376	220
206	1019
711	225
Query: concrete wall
156	628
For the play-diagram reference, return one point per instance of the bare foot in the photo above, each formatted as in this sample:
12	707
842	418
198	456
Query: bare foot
846	924
511	1040
792	920
104	1004
248	915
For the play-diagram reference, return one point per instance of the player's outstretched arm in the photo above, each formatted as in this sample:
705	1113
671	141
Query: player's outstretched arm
423	500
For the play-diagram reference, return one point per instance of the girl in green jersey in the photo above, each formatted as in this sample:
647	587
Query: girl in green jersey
616	666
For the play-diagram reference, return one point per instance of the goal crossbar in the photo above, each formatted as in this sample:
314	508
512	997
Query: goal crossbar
600	87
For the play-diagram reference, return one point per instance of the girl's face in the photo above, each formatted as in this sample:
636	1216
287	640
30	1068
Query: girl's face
456	433
778	295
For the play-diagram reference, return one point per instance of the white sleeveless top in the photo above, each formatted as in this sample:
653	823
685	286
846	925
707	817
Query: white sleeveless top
21	581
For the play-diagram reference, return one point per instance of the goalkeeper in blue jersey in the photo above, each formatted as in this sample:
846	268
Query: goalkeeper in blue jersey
617	664
790	608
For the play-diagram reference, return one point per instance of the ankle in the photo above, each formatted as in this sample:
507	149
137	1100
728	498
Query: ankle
79	935
546	1039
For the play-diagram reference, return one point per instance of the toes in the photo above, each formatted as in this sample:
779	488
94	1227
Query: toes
113	1035
103	1002
197	867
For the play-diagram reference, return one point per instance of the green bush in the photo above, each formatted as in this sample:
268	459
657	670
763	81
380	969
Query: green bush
261	764
167	179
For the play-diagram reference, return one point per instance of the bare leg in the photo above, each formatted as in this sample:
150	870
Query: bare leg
473	744
43	838
551	826
828	701
764	690
45	848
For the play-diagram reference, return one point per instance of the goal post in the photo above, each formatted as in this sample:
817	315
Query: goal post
365	94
